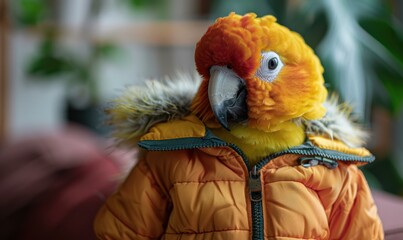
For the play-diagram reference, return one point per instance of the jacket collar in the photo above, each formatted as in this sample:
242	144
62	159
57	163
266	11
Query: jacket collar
191	133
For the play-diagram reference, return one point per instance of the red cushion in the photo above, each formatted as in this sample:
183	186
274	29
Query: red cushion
390	209
68	210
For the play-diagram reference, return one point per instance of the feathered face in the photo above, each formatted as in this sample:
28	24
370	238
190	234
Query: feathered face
256	72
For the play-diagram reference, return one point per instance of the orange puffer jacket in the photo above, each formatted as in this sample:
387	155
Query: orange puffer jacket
189	184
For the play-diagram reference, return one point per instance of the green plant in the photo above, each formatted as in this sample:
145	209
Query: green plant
52	61
31	12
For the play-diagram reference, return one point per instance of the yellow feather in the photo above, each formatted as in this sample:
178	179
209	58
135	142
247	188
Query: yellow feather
257	144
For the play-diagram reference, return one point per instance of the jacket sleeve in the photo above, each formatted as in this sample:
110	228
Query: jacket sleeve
354	214
138	210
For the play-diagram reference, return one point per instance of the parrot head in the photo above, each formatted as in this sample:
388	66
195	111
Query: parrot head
256	74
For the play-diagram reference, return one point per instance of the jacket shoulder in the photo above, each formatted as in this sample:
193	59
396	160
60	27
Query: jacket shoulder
339	148
187	127
336	145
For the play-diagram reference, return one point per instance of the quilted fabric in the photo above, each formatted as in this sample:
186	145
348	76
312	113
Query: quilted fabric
204	193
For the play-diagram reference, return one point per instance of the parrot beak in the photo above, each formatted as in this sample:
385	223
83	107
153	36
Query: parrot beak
227	95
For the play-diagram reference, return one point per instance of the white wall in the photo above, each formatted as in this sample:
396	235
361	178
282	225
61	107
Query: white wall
34	106
39	105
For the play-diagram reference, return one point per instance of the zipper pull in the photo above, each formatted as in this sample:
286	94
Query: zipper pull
317	160
255	185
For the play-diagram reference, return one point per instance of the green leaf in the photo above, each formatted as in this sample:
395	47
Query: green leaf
106	50
389	67
138	4
31	12
393	84
222	8
48	63
383	31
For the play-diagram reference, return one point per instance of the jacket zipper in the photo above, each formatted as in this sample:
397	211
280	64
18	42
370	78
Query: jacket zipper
255	192
312	156
255	195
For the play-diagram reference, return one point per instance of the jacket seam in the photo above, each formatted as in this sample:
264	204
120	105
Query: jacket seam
212	231
160	191
203	182
126	224
309	187
342	190
315	190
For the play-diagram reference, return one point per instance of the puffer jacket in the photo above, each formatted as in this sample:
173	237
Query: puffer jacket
189	184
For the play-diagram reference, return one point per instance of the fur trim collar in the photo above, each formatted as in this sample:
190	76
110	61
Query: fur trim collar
140	107
339	124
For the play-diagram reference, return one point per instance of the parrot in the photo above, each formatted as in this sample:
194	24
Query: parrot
239	150
262	90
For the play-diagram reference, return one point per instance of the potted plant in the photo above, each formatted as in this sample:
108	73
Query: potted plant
55	62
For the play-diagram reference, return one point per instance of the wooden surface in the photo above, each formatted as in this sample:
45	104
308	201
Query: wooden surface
170	33
3	69
163	33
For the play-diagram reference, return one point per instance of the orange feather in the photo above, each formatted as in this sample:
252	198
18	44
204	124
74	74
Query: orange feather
238	41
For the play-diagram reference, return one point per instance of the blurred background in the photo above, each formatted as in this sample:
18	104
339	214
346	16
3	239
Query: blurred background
62	61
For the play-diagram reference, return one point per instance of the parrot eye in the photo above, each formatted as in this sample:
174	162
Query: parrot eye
273	63
270	66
